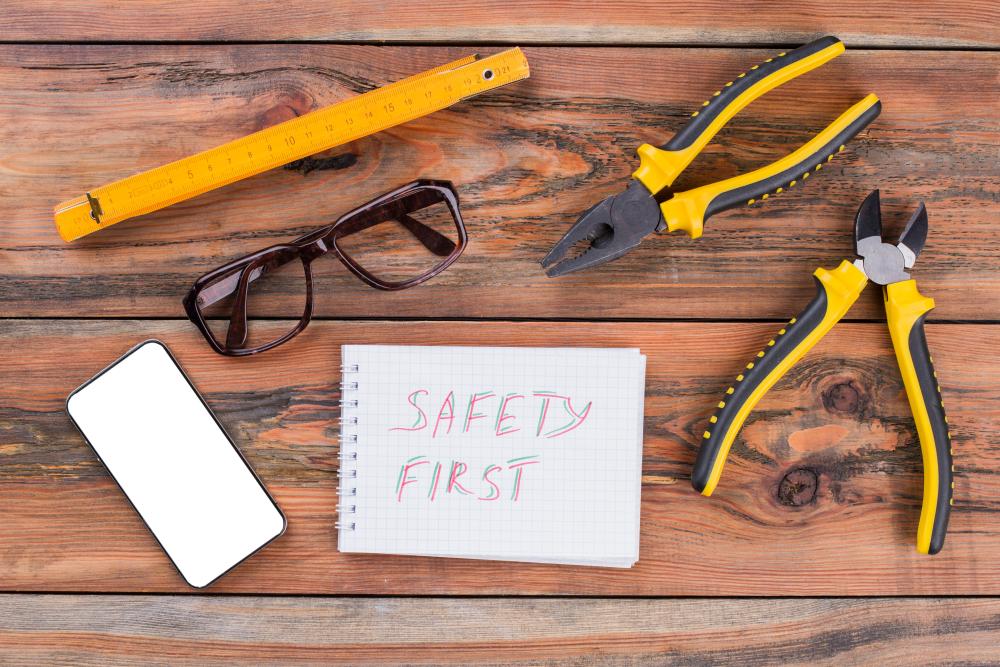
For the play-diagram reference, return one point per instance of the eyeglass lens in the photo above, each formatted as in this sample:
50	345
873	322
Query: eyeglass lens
403	239
276	290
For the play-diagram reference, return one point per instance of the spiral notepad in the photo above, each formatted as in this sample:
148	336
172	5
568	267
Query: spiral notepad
527	454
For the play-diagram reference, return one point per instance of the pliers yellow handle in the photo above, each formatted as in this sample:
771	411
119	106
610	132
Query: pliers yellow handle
836	292
659	167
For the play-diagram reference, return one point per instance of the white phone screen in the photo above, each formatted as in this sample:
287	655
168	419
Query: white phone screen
176	465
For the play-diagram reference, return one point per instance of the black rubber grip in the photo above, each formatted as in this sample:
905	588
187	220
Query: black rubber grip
698	124
741	196
784	343
924	368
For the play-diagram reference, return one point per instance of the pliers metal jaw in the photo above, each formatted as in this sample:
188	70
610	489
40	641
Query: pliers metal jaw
612	228
619	223
885	264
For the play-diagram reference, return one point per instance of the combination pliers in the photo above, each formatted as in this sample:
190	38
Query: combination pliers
884	264
619	223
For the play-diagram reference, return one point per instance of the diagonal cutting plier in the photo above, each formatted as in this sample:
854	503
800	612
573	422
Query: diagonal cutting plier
621	222
884	264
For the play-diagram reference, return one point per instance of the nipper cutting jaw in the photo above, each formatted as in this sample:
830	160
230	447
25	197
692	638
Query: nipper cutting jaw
885	263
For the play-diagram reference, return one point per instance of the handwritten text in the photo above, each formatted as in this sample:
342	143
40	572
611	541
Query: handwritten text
549	414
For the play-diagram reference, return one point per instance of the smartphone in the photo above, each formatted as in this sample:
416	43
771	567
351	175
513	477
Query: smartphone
175	464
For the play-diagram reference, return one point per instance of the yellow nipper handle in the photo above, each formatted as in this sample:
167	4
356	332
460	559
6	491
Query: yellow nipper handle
906	309
836	292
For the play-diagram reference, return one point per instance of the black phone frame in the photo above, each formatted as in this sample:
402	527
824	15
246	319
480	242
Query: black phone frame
130	352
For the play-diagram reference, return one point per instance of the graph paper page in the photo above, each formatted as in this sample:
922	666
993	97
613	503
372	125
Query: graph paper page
527	454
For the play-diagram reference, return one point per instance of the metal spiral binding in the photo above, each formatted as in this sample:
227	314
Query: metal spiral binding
347	473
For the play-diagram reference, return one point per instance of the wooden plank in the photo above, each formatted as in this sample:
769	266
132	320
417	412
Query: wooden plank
893	22
820	497
527	160
204	630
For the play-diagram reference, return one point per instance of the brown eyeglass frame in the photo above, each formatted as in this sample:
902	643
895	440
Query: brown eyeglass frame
394	206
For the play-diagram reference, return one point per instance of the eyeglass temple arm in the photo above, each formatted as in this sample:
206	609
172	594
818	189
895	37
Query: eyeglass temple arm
433	240
236	335
218	291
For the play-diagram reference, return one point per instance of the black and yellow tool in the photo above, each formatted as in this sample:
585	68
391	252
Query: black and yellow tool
884	264
286	142
619	223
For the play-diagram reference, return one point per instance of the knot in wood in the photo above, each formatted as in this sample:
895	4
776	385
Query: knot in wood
291	105
844	398
798	487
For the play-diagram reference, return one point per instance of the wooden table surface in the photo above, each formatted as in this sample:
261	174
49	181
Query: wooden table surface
805	552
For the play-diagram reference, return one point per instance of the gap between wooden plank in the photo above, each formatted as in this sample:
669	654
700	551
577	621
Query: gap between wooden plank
497	43
537	320
480	596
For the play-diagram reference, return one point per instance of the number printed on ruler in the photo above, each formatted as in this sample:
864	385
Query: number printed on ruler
286	142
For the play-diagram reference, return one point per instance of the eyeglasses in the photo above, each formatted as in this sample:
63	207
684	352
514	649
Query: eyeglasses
395	241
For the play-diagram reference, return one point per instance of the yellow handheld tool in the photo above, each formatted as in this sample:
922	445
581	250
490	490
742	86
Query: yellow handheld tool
619	223
884	264
286	142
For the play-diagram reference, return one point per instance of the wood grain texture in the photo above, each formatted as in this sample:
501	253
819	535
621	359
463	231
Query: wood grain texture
191	630
820	497
822	491
527	160
894	22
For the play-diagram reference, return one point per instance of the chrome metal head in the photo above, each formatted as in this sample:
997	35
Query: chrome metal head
885	263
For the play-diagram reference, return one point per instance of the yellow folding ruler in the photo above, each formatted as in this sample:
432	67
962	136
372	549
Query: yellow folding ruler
286	142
